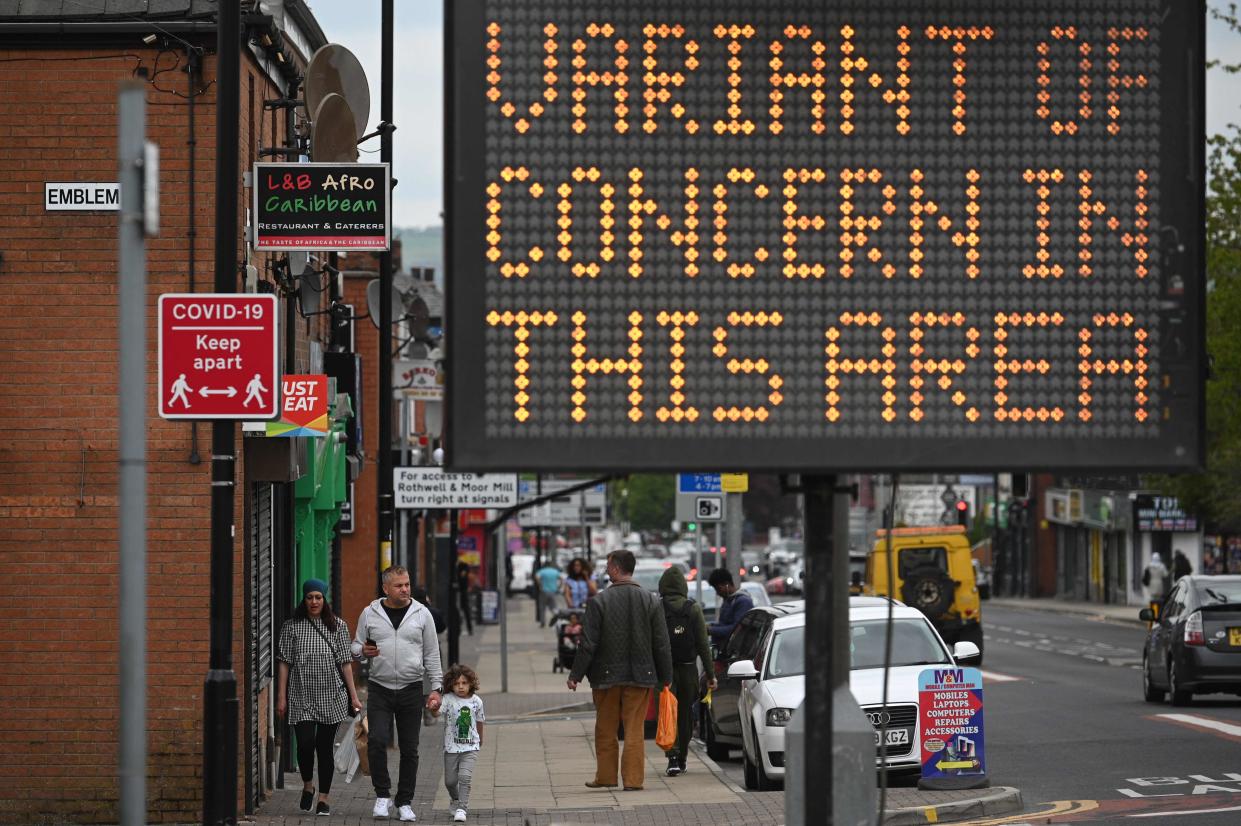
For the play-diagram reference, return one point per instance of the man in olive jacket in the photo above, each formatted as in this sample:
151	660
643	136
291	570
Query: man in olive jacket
687	638
624	653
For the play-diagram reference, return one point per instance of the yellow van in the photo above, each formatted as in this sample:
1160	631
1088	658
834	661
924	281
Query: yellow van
933	571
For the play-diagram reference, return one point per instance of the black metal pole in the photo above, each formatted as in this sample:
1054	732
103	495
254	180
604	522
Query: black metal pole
821	617
384	500
220	690
456	602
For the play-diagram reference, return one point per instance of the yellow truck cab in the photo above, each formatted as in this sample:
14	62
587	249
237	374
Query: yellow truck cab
934	572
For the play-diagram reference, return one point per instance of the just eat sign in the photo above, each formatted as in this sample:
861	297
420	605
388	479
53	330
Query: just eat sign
218	356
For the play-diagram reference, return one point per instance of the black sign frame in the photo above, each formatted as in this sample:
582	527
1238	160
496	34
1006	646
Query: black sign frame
1175	443
293	208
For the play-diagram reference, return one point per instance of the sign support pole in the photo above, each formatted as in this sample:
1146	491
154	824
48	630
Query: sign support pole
383	501
220	691
823	611
131	121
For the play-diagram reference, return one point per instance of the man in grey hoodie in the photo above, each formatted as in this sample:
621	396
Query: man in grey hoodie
398	634
624	652
687	638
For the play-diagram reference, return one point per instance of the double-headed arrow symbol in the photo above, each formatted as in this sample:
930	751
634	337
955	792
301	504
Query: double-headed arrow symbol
228	391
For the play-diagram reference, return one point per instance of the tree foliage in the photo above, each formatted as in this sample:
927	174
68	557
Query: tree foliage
651	501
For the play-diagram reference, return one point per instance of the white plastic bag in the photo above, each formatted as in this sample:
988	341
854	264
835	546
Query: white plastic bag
346	754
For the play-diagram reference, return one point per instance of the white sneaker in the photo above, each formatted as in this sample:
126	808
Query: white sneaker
458	816
407	813
381	807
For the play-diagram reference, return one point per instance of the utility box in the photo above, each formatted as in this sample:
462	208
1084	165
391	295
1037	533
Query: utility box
854	800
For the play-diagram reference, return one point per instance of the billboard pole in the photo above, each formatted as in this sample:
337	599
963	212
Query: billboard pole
383	501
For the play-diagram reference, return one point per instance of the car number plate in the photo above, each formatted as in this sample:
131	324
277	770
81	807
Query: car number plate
1234	637
896	737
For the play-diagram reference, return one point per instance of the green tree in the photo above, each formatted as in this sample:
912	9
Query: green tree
651	501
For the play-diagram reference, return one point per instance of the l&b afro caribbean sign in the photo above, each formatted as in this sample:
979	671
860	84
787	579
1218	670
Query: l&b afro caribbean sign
321	206
855	235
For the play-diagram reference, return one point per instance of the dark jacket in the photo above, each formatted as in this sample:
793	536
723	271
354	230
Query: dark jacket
730	612
675	593
624	640
1180	566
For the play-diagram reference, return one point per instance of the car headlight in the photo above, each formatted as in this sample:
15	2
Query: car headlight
779	716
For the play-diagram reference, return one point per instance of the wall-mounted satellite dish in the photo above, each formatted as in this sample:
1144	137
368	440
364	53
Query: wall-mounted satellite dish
298	259
332	139
334	69
372	302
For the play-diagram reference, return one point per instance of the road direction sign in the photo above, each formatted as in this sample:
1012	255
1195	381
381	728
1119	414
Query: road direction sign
432	487
218	356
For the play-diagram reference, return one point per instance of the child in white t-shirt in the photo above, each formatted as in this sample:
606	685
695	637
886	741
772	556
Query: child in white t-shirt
463	735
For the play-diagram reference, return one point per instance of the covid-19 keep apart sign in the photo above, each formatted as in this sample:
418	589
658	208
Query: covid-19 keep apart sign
857	235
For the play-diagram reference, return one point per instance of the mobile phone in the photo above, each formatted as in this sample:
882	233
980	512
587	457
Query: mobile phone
370	641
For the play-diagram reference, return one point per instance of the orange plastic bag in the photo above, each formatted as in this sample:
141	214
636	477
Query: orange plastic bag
666	733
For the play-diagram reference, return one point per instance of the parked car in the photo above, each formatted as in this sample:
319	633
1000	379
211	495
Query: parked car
720	723
1194	647
773	683
753	566
788	583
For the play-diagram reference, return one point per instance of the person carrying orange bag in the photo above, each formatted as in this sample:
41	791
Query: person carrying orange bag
687	639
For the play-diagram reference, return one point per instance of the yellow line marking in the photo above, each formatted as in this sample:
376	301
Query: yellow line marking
1056	807
931	815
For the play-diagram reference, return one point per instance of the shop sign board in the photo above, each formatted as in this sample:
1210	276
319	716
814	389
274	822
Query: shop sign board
951	723
322	206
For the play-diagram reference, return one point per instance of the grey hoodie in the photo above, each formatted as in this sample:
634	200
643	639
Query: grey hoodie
406	652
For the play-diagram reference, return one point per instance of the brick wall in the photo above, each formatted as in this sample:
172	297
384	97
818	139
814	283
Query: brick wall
59	576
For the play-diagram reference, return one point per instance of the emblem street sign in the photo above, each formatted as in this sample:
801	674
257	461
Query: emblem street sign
218	356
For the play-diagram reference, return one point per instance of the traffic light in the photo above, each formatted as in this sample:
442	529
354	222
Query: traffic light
692	527
963	513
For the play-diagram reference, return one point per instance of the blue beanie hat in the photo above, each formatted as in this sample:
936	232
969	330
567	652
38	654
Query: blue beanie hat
314	585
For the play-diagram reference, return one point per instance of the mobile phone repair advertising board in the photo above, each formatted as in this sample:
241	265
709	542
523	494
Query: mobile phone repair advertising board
951	727
857	235
322	206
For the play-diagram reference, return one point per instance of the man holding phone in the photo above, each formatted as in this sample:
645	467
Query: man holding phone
398	635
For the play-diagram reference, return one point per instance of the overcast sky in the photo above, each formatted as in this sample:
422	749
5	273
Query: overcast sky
418	148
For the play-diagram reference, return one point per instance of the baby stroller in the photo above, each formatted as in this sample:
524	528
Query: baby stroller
566	643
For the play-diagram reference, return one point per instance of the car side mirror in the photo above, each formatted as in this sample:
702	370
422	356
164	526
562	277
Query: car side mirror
1146	615
965	651
743	670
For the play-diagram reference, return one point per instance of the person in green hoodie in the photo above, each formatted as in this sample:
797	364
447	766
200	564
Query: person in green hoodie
687	637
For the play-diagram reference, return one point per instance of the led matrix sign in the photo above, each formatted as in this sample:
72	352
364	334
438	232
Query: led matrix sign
859	235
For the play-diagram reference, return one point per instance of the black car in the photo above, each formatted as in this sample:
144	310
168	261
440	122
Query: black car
720	723
1194	647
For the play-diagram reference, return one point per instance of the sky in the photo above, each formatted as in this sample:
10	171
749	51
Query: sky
418	143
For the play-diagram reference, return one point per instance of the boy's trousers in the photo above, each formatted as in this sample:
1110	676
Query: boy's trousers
458	772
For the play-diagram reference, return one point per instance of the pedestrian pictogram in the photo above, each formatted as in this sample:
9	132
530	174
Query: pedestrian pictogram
218	356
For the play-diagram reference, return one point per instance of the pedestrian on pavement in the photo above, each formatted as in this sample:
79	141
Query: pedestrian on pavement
624	653
314	667
1155	578
733	606
463	736
687	639
465	584
549	591
1180	566
399	636
578	586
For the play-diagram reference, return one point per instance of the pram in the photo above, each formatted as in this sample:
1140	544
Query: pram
566	644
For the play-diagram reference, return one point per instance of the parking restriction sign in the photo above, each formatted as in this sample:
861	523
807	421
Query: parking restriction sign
218	356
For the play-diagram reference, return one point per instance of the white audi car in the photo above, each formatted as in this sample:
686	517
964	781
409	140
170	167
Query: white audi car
774	685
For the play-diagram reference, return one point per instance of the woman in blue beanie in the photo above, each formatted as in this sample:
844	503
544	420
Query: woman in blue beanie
315	686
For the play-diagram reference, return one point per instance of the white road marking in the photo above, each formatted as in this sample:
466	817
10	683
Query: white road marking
1180	812
991	676
1204	722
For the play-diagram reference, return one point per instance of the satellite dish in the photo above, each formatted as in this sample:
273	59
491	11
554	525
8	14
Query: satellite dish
332	138
309	289
418	316
334	69
298	259
372	301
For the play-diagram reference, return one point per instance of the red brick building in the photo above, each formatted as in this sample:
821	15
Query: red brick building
60	66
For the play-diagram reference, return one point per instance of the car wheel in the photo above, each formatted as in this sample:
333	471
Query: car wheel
930	590
715	749
750	772
1178	695
973	633
765	783
1152	694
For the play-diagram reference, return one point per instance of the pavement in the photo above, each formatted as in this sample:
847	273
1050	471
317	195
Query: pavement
538	752
1126	614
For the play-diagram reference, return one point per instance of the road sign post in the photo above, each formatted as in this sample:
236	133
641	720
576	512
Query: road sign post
219	356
